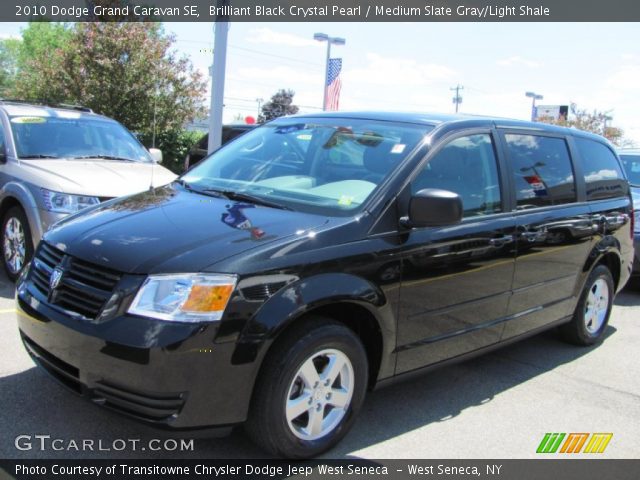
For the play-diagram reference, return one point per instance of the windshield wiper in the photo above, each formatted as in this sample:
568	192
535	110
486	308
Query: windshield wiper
38	156
245	197
103	157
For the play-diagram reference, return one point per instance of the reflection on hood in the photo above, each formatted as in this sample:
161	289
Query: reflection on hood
235	218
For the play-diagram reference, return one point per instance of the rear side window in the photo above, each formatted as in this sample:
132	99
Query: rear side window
542	170
631	164
602	172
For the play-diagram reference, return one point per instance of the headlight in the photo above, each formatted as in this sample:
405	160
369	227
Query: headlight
188	298
66	203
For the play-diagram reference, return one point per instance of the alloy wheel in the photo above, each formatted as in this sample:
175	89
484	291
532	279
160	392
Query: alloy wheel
15	246
320	394
596	306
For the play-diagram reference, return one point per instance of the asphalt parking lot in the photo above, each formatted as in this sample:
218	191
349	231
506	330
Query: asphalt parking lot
496	406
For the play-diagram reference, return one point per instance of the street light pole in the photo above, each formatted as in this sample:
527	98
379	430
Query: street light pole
323	37
533	96
217	79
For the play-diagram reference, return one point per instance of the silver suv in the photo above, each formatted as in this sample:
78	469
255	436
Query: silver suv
55	161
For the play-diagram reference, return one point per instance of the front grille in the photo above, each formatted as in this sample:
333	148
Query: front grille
84	287
262	292
152	407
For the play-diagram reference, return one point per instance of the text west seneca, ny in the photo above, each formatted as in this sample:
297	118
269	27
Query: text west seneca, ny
254	470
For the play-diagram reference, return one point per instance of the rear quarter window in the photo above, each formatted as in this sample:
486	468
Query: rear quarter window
602	172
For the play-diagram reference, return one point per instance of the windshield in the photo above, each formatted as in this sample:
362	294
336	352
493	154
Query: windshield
632	168
326	165
74	137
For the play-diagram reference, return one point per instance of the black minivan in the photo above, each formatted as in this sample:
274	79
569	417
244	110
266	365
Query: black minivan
319	256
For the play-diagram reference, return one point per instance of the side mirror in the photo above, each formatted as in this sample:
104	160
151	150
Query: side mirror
156	155
432	207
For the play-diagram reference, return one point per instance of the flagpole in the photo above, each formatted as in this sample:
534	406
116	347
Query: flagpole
326	77
323	37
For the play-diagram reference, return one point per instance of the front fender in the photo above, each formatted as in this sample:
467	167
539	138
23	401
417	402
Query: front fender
306	295
23	196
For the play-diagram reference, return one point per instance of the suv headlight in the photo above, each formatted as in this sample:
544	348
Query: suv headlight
187	298
66	203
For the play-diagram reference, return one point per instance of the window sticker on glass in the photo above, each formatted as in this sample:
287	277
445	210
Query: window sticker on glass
290	128
398	148
28	120
345	200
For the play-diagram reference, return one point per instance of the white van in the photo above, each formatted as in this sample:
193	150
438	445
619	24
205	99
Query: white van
55	161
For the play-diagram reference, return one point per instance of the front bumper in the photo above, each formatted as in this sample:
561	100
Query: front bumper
168	375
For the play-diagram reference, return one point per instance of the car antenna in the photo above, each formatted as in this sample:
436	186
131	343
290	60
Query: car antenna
153	166
153	138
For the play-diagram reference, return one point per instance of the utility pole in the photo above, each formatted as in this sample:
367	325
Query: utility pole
457	100
606	119
259	101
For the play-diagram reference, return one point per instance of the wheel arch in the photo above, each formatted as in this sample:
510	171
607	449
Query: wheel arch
348	299
15	194
607	253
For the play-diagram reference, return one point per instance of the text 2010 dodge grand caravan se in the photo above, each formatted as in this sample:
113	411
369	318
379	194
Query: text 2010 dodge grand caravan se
318	256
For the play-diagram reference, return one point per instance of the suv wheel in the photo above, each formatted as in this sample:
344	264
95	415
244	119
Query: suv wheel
591	316
309	391
17	246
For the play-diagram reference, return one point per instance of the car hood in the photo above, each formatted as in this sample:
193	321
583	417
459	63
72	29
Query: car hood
170	230
99	178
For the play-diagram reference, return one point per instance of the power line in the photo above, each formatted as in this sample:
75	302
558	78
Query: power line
259	52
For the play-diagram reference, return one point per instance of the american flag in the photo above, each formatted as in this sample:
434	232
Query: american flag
333	84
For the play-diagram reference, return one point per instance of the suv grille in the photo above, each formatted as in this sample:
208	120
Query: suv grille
84	288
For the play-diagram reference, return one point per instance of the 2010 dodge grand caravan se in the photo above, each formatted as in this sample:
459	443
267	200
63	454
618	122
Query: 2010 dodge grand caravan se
318	256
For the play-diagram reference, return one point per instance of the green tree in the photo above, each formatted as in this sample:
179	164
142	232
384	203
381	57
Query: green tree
281	104
9	52
126	71
594	122
175	144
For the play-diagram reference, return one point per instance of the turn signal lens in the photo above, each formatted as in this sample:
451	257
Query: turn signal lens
206	298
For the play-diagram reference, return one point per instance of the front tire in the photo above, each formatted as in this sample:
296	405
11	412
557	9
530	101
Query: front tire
591	316
310	390
17	244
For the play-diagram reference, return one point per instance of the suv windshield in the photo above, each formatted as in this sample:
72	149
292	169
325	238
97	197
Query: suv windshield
75	137
632	167
329	165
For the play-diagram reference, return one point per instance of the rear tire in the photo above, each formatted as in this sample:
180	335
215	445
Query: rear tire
309	391
591	316
17	244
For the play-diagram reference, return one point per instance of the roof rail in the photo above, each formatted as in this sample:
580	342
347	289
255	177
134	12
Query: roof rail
46	104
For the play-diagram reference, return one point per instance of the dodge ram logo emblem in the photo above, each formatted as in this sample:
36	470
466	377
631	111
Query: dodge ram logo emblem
56	276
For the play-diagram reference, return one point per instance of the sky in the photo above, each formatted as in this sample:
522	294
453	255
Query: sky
413	66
